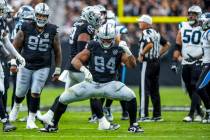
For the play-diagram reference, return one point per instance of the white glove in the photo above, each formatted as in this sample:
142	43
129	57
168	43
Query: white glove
21	60
57	71
124	46
88	75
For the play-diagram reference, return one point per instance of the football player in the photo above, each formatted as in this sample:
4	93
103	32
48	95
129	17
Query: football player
103	58
188	44
4	37
36	39
203	82
83	31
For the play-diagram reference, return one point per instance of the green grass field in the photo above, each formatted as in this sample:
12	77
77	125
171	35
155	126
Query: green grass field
74	125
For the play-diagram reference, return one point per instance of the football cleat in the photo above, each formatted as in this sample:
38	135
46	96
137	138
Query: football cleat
7	127
125	116
14	112
206	119
31	124
111	127
187	119
49	129
24	119
108	114
93	119
197	118
144	119
46	119
135	128
156	119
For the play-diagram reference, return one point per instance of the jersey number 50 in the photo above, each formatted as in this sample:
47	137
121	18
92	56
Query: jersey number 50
193	37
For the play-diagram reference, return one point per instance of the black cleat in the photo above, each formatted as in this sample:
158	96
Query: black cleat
135	128
49	129
7	127
125	116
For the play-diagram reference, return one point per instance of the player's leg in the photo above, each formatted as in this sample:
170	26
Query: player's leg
14	78
22	86
39	79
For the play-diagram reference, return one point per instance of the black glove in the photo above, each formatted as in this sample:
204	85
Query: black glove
174	66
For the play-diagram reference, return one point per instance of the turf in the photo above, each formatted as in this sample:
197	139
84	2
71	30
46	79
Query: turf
74	125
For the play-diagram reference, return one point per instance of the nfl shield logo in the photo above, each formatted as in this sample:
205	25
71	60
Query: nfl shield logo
46	35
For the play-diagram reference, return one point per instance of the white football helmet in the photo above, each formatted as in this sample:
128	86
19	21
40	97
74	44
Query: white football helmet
92	15
3	8
42	12
106	35
25	12
110	15
191	18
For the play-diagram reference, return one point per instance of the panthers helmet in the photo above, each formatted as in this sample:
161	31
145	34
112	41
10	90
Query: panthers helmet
194	13
205	20
93	16
106	35
84	11
3	8
103	12
25	12
42	12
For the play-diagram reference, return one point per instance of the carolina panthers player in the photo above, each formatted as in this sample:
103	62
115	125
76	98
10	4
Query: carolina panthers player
37	40
4	38
203	82
188	44
103	58
83	31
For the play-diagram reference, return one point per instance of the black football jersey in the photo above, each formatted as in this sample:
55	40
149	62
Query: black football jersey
37	46
104	63
79	27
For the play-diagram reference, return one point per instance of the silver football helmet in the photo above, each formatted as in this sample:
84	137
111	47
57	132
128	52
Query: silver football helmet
42	12
106	35
194	13
3	8
103	11
92	15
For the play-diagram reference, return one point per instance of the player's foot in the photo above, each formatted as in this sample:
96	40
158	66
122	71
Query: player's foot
157	119
7	127
93	119
110	127
38	114
108	114
125	116
49	129
197	118
14	112
144	119
24	119
31	124
188	119
46	119
135	128
206	119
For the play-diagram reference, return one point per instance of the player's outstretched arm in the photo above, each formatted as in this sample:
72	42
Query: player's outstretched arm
57	51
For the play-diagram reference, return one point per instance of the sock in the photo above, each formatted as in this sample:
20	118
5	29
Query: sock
108	103
52	108
19	99
59	110
34	103
31	116
97	108
124	106
2	110
28	98
102	101
132	110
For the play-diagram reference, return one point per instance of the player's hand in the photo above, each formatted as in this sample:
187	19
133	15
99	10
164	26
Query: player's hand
141	58
124	46
13	66
174	67
21	61
56	74
88	75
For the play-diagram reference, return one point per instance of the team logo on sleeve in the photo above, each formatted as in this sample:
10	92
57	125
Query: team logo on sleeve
46	35
115	52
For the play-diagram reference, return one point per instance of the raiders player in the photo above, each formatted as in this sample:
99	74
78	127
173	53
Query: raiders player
103	58
83	31
4	38
203	82
37	40
188	42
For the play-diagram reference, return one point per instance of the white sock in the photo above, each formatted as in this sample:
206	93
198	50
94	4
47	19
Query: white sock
31	116
103	120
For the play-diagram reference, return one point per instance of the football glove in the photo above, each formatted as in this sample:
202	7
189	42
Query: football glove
124	46
174	66
56	74
21	61
88	75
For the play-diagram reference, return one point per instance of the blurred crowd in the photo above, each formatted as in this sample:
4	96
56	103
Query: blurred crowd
64	12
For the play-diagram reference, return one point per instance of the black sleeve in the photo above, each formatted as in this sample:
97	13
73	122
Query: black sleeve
163	41
87	28
90	45
81	45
